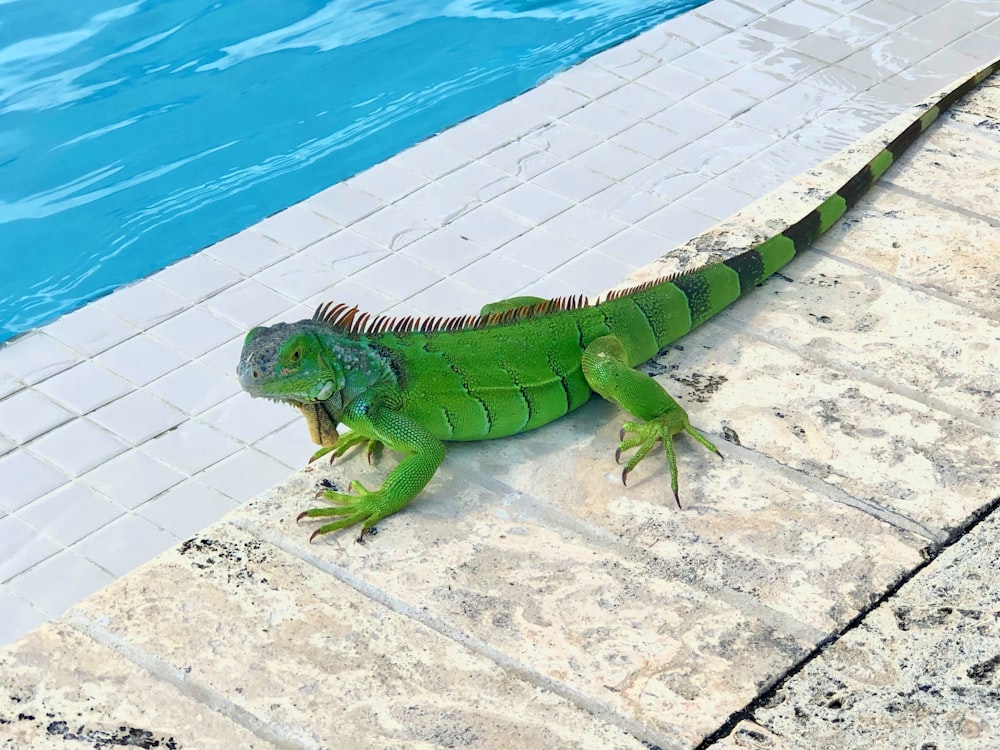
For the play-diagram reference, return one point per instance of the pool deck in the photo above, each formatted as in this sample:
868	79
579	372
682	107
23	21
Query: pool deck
832	583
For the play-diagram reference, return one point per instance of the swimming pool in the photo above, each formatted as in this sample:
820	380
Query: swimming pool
133	134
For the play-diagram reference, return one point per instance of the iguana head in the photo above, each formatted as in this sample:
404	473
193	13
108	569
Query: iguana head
290	362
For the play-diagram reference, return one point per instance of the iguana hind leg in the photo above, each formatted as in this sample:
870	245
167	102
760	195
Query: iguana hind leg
606	368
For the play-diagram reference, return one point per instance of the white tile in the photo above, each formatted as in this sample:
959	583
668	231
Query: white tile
244	475
90	330
34	357
562	139
769	117
28	414
824	47
6	446
708	64
224	358
194	331
532	203
660	45
19	617
649	139
22	547
584	225
144	304
353	292
740	48
78	446
346	252
677	224
344	203
515	117
721	149
132	478
289	445
638	99
624	202
56	584
249	419
756	83
602	119
480	180
788	64
665	182
296	227
9	384
82	388
387	181
727	13
299	277
541	250
197	277
194	387
436	203
125	544
488	227
248	304
573	181
473	137
716	200
688	120
804	14
722	100
138	416
398	277
627	61
777	31
191	447
23	478
497	275
614	160
449	297
589	80
694	29
140	359
444	251
844	82
634	247
431	158
70	513
592	274
392	227
522	159
248	252
552	99
186	509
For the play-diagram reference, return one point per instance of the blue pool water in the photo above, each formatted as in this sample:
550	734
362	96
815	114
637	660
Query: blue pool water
135	133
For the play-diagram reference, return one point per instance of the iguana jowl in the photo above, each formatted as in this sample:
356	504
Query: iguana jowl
519	364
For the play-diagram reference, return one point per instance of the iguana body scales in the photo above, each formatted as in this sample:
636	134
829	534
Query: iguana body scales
520	364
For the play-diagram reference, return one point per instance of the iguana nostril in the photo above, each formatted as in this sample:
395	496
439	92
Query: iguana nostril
256	373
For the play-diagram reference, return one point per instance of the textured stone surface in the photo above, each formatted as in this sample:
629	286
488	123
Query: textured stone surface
319	663
610	621
921	671
59	689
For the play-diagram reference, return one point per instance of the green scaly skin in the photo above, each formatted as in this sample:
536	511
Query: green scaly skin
522	364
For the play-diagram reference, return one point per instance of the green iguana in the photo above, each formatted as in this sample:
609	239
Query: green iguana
521	363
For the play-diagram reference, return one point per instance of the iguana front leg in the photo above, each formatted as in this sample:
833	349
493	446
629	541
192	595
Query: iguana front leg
323	431
605	366
377	417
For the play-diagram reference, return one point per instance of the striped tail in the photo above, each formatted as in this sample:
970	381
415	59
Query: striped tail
756	264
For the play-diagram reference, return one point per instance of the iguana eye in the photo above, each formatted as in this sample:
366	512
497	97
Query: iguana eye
296	355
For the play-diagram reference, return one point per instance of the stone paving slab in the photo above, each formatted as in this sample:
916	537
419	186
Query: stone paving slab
61	689
310	662
922	670
605	621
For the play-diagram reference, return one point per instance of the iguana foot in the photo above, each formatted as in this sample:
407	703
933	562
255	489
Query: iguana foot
365	507
663	427
348	440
